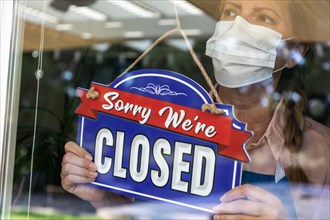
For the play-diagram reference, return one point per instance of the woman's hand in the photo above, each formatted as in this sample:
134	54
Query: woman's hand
249	202
78	169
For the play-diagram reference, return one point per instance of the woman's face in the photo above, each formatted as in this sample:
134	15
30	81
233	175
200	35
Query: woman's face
272	14
267	13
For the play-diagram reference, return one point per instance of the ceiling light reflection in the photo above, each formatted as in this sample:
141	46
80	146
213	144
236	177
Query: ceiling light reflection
192	32
167	22
140	45
64	27
113	24
101	47
133	8
133	34
86	36
187	7
37	14
88	12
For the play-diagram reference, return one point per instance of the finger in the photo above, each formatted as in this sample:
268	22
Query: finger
76	149
252	208
68	169
71	158
70	181
250	192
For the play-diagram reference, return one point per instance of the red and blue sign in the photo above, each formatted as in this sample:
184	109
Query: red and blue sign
150	139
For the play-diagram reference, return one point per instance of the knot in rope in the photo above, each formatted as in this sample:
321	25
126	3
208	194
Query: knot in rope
211	108
92	94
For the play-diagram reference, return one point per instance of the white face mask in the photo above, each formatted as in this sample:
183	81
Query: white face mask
242	53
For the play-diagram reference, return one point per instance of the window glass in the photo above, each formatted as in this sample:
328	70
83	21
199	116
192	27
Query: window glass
287	105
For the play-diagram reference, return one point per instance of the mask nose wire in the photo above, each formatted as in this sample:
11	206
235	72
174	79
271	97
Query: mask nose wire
289	38
275	71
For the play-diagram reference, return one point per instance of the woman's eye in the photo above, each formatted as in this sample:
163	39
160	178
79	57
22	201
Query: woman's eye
229	13
266	19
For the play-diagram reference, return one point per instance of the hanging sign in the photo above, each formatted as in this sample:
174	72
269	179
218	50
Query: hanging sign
150	139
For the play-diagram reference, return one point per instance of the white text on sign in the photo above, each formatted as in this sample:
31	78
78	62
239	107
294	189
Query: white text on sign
173	118
201	174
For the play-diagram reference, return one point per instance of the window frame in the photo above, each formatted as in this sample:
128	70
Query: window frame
11	30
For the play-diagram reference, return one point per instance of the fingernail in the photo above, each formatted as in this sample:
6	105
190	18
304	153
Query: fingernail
223	197
93	174
88	157
92	167
217	208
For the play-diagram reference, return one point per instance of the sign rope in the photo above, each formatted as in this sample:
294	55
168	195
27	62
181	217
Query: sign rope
210	107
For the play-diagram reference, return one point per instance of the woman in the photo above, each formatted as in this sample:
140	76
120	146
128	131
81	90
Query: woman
286	144
270	100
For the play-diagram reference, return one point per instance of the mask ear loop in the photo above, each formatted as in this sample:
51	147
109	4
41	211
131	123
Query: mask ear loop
205	107
285	54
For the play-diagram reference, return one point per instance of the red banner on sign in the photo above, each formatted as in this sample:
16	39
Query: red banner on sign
169	116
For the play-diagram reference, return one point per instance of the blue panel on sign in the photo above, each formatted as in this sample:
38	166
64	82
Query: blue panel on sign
150	139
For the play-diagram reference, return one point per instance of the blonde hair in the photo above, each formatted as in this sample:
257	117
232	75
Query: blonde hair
310	19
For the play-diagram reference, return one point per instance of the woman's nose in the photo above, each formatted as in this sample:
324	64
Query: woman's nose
247	17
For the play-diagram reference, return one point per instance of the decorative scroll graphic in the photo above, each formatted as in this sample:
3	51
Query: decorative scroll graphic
153	143
158	90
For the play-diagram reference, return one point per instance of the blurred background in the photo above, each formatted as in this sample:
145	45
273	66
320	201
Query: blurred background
96	40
